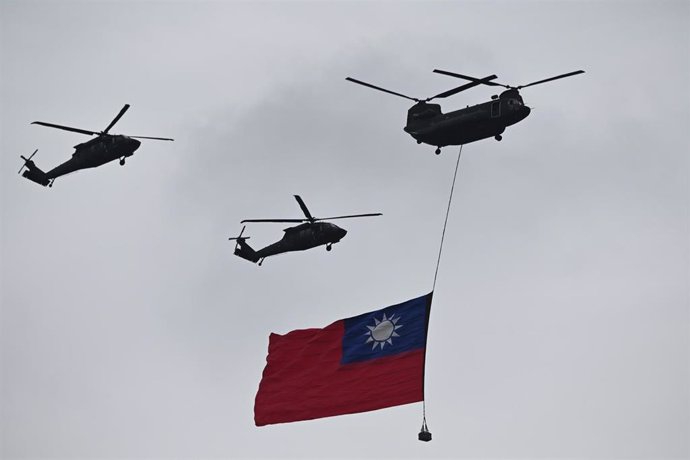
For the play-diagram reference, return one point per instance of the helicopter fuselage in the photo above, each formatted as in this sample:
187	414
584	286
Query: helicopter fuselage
96	152
304	236
298	238
427	124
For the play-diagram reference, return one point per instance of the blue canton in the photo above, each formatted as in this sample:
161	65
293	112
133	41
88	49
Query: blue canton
386	332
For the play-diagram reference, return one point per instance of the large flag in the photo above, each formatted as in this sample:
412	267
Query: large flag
358	364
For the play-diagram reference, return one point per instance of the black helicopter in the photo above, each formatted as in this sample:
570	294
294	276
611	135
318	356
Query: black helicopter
310	233
90	154
426	123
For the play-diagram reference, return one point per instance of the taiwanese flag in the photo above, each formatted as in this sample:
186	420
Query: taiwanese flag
358	364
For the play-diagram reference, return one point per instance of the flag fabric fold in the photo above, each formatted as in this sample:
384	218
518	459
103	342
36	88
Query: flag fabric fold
367	362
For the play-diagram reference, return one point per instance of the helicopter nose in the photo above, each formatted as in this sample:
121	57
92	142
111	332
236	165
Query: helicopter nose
135	143
340	233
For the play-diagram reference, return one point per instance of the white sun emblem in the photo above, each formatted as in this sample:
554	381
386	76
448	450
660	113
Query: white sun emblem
383	331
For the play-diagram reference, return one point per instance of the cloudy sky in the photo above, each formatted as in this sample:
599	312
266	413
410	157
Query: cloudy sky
561	319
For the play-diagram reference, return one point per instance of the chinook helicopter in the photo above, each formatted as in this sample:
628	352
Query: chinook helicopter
102	149
311	232
427	124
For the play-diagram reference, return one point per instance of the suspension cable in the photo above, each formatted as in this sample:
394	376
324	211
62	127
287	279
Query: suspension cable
443	235
424	434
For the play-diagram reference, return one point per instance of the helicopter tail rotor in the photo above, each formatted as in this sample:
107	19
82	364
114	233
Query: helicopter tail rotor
27	161
239	238
242	249
33	172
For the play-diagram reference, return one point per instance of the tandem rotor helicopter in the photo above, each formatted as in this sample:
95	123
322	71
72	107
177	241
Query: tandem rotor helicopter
311	232
90	154
427	124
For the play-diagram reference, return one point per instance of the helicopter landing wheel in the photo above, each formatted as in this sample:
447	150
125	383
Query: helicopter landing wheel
498	137
438	151
50	184
329	246
122	161
261	261
419	142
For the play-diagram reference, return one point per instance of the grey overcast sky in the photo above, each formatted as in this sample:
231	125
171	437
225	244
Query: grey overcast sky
561	321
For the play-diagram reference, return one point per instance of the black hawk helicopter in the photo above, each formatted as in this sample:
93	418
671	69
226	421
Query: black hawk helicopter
426	123
102	149
310	233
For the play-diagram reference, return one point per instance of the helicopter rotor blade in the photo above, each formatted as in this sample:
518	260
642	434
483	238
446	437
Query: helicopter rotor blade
569	74
26	160
479	81
154	138
274	220
381	89
115	120
472	84
65	128
304	208
239	238
350	216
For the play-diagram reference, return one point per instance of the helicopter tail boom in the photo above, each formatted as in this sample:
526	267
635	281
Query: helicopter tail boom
38	176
